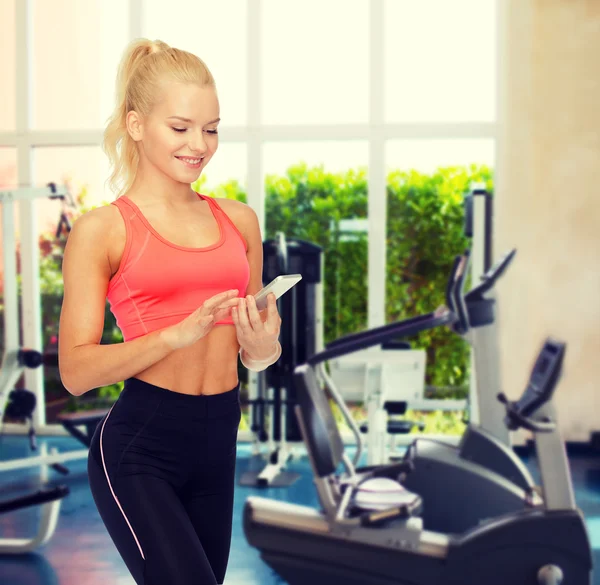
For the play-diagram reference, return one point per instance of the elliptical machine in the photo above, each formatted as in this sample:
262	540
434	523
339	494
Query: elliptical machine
369	528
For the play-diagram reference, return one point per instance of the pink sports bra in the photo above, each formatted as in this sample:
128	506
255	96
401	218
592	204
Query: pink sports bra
159	283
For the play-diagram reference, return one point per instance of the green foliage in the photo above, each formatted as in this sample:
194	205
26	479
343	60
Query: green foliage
309	204
425	227
424	232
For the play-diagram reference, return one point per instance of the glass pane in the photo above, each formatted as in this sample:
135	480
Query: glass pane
76	51
8	168
8	65
315	62
312	190
198	26
85	168
8	180
440	60
425	156
427	181
335	156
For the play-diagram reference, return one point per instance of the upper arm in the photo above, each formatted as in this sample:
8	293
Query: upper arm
86	273
254	252
246	221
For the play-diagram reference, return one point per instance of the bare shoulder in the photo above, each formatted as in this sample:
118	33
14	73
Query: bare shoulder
234	206
92	223
103	228
242	215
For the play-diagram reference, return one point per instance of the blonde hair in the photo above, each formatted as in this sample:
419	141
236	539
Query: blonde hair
144	65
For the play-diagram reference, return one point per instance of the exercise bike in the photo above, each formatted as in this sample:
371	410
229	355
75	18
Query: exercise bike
481	477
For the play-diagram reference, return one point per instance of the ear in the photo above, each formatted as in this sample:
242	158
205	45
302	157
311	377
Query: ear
134	125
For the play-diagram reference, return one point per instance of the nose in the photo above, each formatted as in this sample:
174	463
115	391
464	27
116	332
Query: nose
197	142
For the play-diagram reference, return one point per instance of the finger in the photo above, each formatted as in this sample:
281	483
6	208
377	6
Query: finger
221	314
205	320
273	318
227	305
211	310
235	317
218	299
244	323
253	314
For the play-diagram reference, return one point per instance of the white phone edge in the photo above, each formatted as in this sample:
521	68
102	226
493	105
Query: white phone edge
261	296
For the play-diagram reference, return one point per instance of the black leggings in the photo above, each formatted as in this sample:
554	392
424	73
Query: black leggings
161	468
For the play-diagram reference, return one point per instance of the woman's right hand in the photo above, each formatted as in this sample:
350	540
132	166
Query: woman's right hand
201	321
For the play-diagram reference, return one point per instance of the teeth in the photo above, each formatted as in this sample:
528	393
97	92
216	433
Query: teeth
193	161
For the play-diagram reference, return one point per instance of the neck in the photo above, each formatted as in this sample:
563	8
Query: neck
154	187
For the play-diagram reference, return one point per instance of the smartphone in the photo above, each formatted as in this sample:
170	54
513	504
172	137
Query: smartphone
278	286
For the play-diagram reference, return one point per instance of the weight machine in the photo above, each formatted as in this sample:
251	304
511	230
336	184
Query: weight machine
20	404
271	392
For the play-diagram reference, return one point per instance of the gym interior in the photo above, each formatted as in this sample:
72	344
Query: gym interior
429	169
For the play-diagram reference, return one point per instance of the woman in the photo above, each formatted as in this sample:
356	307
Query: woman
179	270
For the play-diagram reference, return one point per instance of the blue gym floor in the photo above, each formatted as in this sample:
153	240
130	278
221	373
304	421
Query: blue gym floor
81	553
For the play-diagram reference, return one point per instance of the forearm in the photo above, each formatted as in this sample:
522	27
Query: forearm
92	366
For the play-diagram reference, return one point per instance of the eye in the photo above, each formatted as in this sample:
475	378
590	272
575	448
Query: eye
212	131
179	129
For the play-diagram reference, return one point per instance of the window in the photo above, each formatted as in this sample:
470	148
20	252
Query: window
426	155
76	51
440	61
215	30
228	163
424	233
315	205
84	167
8	180
8	168
8	65
335	156
315	58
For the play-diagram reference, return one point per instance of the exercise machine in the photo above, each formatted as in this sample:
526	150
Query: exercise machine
271	396
485	382
19	403
481	477
15	360
369	529
386	379
390	379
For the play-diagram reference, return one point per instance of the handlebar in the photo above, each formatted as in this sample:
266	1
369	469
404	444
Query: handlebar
515	420
365	339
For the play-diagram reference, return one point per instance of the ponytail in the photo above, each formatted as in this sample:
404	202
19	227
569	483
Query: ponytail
142	66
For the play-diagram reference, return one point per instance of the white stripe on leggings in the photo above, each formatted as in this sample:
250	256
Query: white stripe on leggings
110	485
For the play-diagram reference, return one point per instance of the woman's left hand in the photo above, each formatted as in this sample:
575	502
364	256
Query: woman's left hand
257	338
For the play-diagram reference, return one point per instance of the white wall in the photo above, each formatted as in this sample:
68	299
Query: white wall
548	199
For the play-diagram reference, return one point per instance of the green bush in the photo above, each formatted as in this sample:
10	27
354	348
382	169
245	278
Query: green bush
424	233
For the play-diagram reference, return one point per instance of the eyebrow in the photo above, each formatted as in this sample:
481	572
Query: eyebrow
190	121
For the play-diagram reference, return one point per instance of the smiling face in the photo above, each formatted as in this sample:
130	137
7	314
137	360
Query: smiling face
179	136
